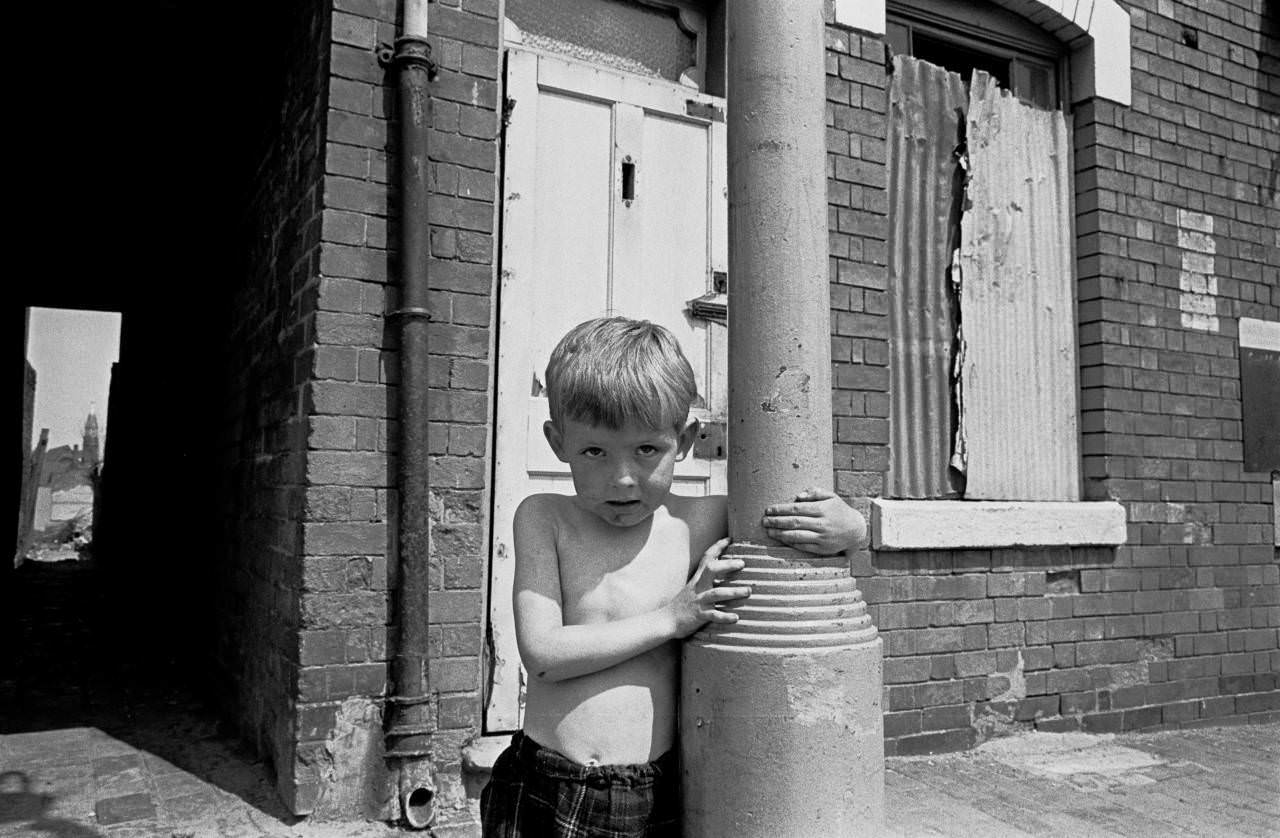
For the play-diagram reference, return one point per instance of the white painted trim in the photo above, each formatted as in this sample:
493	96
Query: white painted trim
867	15
965	525
511	34
579	78
1259	334
1275	507
1102	66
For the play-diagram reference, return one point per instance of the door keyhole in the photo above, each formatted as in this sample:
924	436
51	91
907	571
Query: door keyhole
628	181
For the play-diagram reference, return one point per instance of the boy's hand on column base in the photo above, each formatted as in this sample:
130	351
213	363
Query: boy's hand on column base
696	604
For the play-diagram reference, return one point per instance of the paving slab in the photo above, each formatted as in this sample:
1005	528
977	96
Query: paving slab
125	808
1195	782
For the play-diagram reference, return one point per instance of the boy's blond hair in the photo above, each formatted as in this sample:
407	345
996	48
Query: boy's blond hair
614	371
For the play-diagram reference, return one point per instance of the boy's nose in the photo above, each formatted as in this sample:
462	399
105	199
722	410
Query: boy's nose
625	476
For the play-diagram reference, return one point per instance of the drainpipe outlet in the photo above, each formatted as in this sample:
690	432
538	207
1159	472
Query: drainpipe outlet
417	794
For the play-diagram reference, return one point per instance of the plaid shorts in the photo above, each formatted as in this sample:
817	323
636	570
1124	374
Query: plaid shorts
536	792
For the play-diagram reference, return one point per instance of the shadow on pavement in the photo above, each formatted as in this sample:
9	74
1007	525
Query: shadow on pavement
76	671
20	805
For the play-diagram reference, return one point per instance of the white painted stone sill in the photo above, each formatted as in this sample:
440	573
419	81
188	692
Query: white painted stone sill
979	525
479	755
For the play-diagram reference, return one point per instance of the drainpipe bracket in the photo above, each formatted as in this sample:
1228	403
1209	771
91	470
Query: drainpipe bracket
411	724
408	51
411	311
409	743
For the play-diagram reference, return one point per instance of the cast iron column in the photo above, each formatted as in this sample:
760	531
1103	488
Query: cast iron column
781	728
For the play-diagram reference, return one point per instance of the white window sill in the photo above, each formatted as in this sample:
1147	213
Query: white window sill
977	525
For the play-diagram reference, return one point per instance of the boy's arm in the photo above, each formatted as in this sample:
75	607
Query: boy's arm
707	517
818	522
553	651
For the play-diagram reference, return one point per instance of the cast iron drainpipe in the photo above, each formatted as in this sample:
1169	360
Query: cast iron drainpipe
410	708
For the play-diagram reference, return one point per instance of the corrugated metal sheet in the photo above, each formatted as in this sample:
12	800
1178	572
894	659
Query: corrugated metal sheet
1017	388
927	105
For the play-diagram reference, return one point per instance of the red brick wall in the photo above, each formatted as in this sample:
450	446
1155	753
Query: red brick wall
1162	631
262	446
1179	626
348	534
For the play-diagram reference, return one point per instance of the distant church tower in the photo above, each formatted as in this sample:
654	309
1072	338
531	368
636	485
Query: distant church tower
89	450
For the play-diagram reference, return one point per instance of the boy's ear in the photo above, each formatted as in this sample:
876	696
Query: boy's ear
687	437
554	439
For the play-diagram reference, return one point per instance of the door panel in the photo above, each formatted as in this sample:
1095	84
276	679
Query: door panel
571	222
667	226
611	204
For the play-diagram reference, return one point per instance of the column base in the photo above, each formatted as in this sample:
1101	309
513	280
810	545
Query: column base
782	742
781	727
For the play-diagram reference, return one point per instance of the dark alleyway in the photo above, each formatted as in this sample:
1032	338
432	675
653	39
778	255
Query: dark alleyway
67	664
106	731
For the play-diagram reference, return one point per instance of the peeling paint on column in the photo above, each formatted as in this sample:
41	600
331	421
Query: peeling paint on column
790	393
1197	282
816	702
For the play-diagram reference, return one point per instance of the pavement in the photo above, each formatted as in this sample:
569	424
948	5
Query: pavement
82	782
1208	781
95	746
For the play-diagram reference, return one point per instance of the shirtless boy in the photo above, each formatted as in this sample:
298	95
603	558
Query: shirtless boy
607	581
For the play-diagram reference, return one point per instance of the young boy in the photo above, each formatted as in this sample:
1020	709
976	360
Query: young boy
606	584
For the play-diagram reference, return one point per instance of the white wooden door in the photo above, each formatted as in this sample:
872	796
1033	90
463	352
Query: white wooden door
613	203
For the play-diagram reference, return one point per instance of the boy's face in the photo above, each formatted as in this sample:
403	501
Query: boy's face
621	476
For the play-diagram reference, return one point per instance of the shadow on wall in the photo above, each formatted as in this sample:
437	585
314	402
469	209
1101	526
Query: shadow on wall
1269	59
1268	86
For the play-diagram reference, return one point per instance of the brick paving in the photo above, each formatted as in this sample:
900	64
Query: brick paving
80	782
1210	781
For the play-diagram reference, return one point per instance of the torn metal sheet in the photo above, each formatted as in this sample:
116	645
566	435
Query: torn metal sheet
926	190
1018	370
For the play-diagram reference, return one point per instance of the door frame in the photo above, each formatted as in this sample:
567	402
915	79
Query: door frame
526	73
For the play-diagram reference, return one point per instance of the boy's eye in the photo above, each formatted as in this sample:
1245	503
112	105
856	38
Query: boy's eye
647	450
592	452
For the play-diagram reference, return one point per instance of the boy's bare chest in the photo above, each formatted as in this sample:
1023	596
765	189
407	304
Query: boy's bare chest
612	581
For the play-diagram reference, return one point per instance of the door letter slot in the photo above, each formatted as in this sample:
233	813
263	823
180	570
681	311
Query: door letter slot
628	180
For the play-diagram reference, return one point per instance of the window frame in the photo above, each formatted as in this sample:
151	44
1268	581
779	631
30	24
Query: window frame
1097	33
908	524
1056	62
